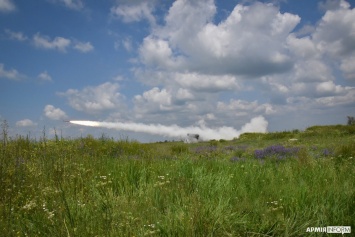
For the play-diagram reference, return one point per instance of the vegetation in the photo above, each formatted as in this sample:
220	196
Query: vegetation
274	184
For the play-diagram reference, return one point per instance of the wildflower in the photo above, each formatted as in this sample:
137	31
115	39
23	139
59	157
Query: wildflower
30	205
327	152
277	151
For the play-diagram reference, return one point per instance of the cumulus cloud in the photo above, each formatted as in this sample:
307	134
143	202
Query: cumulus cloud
317	56
184	95
16	35
157	53
10	74
175	104
335	34
61	44
243	107
234	46
84	47
54	113
7	6
153	100
71	4
134	12
207	83
44	76
328	88
127	44
225	71
332	5
58	43
26	123
348	67
335	37
94	99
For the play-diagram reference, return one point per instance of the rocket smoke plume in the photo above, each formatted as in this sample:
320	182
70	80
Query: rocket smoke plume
257	124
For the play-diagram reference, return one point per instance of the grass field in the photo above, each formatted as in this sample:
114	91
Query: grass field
257	185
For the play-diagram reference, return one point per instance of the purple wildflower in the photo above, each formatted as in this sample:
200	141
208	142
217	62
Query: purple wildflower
327	152
205	149
277	151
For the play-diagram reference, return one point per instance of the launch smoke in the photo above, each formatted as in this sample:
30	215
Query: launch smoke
257	124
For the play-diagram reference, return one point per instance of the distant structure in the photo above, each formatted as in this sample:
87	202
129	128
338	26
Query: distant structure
351	120
192	138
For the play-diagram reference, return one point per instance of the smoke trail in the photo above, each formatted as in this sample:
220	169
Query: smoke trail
257	124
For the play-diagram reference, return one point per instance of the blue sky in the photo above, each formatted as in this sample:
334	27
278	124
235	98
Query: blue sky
287	64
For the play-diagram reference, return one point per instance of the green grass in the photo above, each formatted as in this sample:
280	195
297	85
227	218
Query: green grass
101	187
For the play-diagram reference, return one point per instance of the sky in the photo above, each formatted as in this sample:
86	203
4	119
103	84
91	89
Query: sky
146	69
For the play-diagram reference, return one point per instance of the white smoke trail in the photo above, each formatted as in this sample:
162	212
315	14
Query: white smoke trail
257	124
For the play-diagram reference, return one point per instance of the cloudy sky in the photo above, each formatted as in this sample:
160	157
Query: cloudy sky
288	64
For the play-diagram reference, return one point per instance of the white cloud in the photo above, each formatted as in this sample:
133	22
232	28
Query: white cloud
154	100
127	44
7	6
184	95
84	47
118	78
234	46
333	96
134	12
332	4
243	108
156	95
305	30
312	71
206	83
11	74
44	76
16	35
253	49
170	104
157	53
225	71
26	123
71	4
54	113
95	99
336	32
328	88
348	67
303	47
61	44
45	42
345	99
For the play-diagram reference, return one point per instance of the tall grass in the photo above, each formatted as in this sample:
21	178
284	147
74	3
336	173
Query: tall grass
102	187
